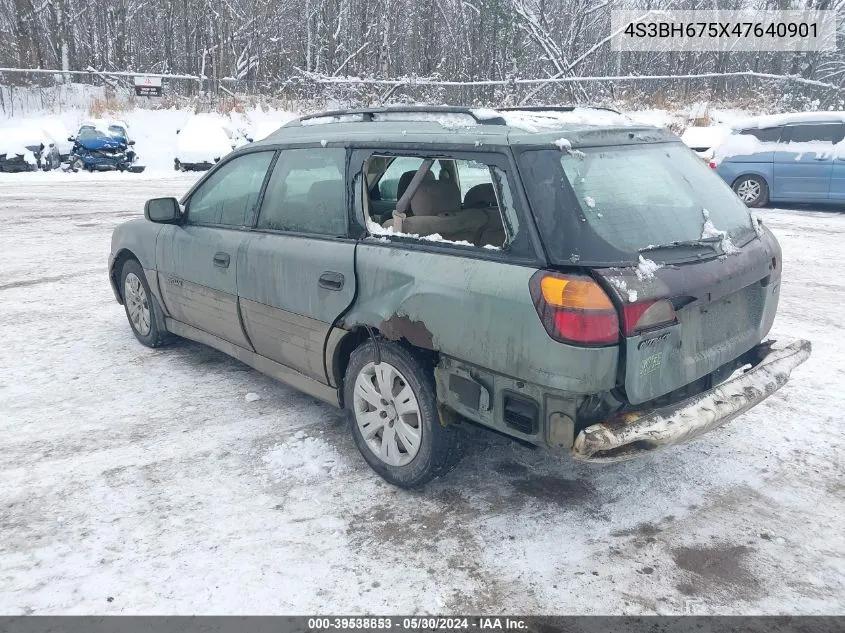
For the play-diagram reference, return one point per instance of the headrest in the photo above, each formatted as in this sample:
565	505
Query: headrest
405	180
436	196
481	195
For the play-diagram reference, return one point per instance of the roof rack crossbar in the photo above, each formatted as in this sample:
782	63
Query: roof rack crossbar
559	108
368	113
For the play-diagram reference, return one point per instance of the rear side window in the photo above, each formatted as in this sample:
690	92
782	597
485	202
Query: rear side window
764	134
603	206
229	195
814	133
391	181
307	193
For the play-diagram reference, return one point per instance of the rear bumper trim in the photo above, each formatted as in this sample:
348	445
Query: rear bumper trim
632	434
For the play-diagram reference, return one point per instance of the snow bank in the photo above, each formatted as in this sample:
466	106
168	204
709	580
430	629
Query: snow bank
154	131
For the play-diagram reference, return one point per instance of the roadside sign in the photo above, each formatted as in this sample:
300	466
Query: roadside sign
148	86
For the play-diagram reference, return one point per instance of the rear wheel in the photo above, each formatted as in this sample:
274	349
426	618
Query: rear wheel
752	190
139	305
393	413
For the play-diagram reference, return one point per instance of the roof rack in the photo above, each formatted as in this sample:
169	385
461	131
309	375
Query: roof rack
367	114
563	108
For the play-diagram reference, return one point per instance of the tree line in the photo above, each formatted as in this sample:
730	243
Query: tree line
271	46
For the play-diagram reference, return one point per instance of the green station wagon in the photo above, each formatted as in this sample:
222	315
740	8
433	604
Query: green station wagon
558	275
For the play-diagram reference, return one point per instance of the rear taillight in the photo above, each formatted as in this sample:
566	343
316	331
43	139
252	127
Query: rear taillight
574	309
646	315
713	164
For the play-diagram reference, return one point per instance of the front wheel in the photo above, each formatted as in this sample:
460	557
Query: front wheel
393	413
139	305
752	190
77	165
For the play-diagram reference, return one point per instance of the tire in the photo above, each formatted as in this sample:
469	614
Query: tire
177	166
752	190
77	165
139	306
438	447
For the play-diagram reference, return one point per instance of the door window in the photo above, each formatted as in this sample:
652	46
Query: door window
392	179
228	197
764	134
467	202
307	192
814	133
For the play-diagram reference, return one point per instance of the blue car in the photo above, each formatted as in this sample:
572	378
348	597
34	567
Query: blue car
103	147
786	158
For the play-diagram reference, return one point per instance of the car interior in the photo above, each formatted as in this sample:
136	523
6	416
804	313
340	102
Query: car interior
456	199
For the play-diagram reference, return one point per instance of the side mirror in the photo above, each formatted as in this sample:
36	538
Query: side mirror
71	139
249	139
163	210
177	131
130	142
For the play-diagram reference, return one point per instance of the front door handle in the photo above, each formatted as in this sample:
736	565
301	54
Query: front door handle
331	280
221	260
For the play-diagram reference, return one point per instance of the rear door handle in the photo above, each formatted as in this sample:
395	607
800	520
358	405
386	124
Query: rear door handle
331	280
221	260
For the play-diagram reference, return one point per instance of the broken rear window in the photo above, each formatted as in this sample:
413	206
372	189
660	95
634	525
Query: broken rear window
602	206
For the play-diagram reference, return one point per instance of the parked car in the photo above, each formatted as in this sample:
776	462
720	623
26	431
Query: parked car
594	293
203	140
786	158
103	146
57	131
703	140
27	148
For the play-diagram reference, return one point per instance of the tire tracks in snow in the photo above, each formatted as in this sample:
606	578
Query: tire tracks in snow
23	283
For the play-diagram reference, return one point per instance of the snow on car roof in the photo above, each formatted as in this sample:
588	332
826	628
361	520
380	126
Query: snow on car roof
19	136
774	120
547	120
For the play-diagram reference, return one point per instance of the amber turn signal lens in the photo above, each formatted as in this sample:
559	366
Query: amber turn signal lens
578	294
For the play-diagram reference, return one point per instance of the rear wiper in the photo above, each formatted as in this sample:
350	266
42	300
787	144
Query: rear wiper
710	242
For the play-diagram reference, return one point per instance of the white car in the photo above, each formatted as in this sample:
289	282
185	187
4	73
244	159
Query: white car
27	147
203	140
704	140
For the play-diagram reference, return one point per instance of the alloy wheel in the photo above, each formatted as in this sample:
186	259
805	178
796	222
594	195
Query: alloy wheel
748	190
137	305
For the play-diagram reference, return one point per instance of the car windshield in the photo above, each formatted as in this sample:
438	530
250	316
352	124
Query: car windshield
605	205
88	133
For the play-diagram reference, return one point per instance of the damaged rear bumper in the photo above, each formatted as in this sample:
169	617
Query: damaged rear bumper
632	434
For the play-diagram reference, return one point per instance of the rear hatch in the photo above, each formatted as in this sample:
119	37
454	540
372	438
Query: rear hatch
694	280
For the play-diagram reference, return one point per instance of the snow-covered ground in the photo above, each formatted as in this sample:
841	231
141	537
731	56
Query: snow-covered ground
150	481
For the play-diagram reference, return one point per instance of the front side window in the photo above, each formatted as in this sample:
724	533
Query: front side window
229	196
307	192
